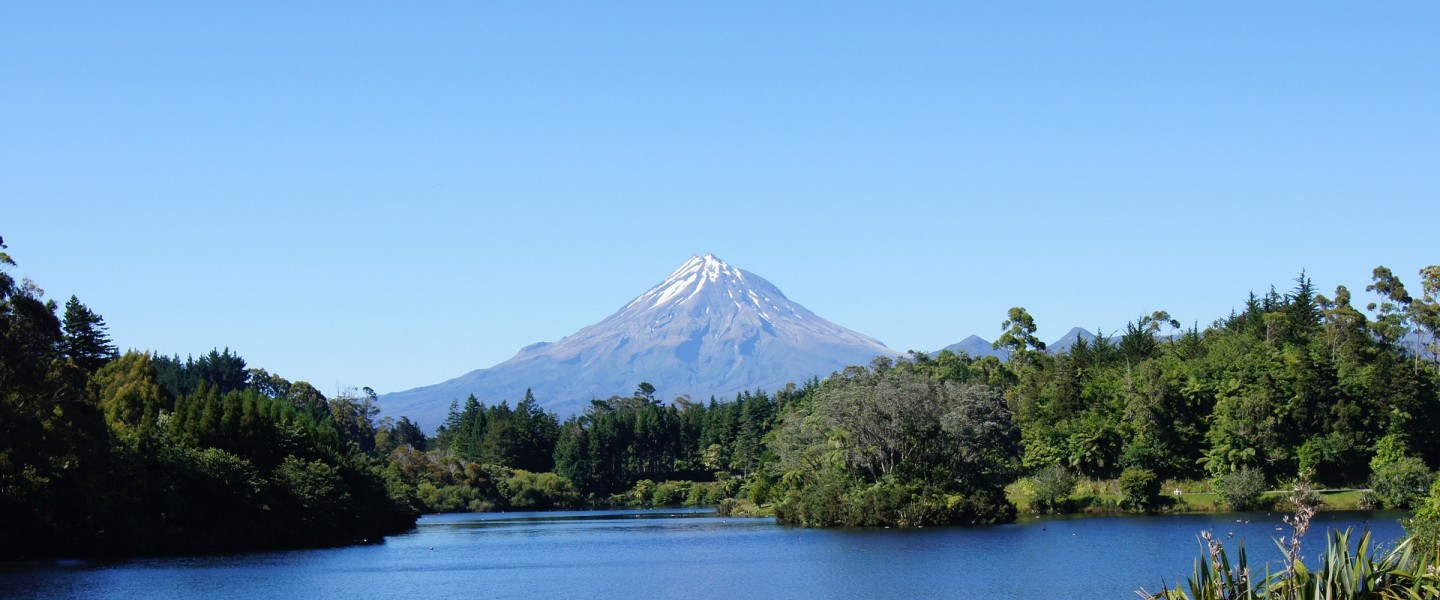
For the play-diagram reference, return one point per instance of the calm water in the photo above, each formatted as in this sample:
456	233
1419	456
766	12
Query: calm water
693	554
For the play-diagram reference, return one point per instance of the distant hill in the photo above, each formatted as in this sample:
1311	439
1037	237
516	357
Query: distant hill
707	329
977	346
1066	341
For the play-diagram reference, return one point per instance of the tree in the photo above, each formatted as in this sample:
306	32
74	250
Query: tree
86	341
535	434
1425	525
646	391
1053	485
1346	330
407	433
54	436
1425	313
269	385
224	371
897	448
354	412
129	392
308	400
1392	321
1019	336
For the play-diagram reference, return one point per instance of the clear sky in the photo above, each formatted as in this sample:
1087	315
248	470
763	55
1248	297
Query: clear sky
395	194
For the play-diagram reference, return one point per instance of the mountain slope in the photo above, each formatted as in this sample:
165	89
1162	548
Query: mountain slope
707	329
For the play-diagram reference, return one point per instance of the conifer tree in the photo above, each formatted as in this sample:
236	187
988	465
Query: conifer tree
86	341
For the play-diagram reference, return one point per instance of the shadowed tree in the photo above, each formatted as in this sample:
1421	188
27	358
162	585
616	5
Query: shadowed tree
86	341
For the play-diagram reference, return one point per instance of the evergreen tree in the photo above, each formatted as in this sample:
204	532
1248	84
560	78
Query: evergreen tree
86	341
222	370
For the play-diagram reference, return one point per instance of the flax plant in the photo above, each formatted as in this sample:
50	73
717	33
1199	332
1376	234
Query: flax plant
1403	573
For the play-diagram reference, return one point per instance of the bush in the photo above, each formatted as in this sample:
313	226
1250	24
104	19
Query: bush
1241	489
539	491
1302	493
1425	525
711	493
670	493
1052	485
1141	489
726	507
1401	483
1332	459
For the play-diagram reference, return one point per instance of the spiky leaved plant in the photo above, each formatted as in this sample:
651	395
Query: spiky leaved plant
1404	573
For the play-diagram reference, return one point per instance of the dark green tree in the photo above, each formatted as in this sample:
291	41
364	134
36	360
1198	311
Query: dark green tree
86	341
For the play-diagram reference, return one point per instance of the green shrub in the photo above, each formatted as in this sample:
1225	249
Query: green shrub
1141	489
1052	487
1401	483
710	493
1425	525
1242	488
539	491
726	507
670	493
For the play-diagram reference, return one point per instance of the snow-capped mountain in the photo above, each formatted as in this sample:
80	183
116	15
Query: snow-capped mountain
707	329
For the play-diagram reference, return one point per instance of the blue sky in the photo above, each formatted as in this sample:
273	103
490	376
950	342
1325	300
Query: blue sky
391	195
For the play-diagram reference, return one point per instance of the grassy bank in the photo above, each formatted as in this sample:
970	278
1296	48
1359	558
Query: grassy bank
1182	497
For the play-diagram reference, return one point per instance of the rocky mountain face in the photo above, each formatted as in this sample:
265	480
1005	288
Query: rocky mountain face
707	329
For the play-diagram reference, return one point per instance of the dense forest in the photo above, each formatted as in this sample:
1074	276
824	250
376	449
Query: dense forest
106	453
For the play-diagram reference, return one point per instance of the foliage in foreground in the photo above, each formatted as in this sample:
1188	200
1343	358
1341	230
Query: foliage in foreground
1405	572
1409	571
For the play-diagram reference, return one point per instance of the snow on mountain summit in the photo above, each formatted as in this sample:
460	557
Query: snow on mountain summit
707	329
709	274
690	279
707	307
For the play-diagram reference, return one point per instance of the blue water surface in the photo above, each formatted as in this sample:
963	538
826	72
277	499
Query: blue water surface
695	554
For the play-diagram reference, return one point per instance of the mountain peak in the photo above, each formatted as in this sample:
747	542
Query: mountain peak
706	280
709	267
707	329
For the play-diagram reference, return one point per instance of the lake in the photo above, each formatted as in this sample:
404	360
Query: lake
695	554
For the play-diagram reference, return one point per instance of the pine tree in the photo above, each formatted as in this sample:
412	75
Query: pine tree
86	341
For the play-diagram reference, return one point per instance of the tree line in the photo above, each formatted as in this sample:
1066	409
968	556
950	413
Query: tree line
105	454
1290	385
138	453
